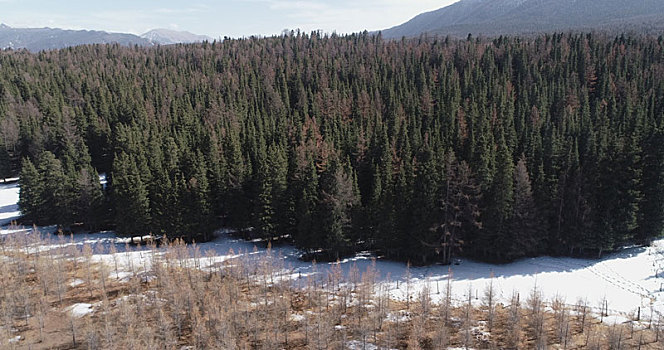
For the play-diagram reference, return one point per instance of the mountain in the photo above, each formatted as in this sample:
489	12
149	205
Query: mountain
497	17
37	39
167	37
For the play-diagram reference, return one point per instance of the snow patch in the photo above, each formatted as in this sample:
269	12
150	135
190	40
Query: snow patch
358	345
297	318
75	283
103	181
480	333
15	339
401	317
616	320
80	309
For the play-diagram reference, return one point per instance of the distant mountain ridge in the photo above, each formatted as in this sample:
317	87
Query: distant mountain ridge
497	17
168	37
37	39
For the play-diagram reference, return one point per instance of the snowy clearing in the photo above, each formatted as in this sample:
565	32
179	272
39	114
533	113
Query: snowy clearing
8	203
628	279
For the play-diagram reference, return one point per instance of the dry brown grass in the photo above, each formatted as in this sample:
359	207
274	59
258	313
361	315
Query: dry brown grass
243	306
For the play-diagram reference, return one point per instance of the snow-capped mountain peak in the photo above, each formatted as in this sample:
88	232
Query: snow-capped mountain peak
168	37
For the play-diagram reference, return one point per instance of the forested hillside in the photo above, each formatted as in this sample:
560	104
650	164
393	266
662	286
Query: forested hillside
526	17
418	149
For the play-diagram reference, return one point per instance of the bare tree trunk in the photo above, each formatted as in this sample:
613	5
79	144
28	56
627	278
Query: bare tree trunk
467	318
514	320
536	317
582	309
489	303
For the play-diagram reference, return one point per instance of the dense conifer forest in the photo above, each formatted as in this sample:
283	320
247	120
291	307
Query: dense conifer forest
419	149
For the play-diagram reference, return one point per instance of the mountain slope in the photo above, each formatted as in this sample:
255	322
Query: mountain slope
494	17
36	39
168	37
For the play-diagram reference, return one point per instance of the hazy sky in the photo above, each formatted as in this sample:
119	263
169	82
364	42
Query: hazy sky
234	18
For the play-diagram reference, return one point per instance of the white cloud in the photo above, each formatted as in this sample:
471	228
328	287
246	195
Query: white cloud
177	11
351	16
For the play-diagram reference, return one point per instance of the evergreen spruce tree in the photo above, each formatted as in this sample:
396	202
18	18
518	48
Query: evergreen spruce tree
425	211
56	194
198	222
5	164
499	203
31	196
308	234
338	197
278	170
460	215
88	203
525	227
130	197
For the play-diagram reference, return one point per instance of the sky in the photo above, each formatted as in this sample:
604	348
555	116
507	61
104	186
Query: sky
220	18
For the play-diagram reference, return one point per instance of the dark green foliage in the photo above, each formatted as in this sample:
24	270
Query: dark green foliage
338	197
458	220
651	220
31	200
426	207
420	149
130	195
305	188
5	164
57	192
48	195
525	231
88	201
197	210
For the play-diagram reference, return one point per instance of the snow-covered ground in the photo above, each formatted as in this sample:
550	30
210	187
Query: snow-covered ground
8	203
627	279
